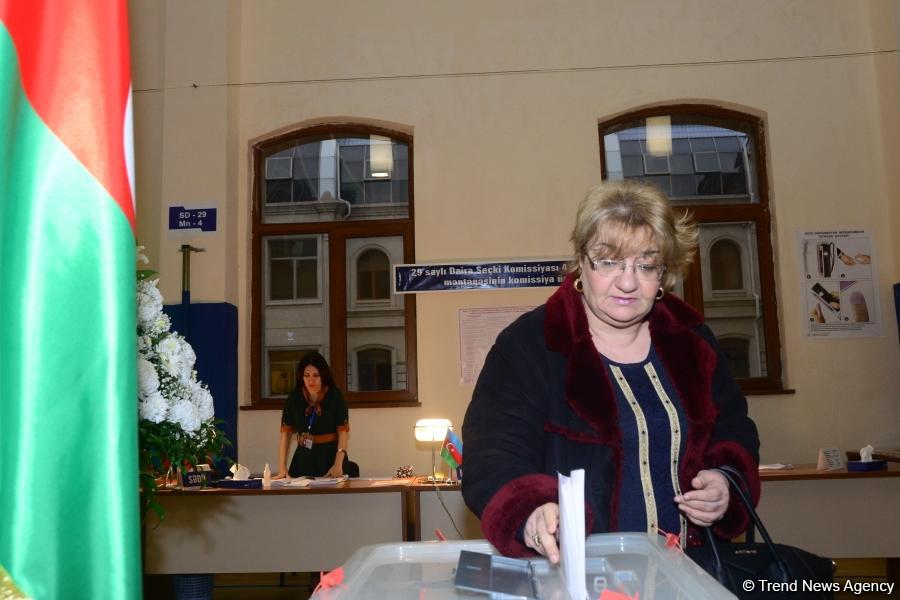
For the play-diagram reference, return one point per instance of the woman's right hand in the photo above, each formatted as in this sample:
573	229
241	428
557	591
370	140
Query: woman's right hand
542	530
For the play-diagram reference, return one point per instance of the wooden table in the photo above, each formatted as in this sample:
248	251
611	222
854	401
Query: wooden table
809	471
277	530
839	514
431	506
833	513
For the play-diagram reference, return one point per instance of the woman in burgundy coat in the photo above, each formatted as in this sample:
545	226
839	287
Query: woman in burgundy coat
615	376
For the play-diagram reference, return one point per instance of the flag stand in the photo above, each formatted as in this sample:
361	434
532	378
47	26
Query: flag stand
186	250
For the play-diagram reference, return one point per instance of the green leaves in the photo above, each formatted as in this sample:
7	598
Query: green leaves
163	445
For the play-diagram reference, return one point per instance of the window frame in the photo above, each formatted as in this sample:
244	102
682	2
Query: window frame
392	360
727	242
758	213
320	266
356	272
747	342
337	232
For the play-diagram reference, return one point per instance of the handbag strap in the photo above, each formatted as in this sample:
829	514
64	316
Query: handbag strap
750	534
737	483
721	577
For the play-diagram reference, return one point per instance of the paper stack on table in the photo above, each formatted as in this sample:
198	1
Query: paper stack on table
322	481
288	482
571	533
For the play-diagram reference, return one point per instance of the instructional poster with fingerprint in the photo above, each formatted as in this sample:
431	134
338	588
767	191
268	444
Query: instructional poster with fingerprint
839	285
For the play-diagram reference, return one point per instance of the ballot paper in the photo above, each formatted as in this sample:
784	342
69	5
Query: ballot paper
288	482
571	533
326	481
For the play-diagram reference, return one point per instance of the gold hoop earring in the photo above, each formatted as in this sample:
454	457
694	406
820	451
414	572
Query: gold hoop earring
660	294
578	285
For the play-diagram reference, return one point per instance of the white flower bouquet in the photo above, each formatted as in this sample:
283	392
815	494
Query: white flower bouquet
177	428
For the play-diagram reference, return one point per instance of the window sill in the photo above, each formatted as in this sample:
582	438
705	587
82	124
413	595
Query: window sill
769	392
273	404
278	403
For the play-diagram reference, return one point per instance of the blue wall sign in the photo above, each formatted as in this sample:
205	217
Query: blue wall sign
203	219
448	277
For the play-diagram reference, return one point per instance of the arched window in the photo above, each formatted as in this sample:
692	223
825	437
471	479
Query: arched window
332	211
374	369
725	266
373	275
710	161
737	351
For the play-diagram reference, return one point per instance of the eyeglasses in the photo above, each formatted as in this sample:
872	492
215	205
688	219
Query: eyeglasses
607	267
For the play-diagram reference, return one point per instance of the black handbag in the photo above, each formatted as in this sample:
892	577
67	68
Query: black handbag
762	570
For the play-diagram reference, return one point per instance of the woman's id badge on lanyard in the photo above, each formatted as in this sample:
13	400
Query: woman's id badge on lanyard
306	438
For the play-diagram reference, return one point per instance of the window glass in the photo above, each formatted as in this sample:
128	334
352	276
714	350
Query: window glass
683	164
631	147
294	318
374	369
306	173
349	177
737	351
698	142
716	171
709	161
632	166
293	268
375	317
283	370
656	164
731	310
373	277
725	266
331	215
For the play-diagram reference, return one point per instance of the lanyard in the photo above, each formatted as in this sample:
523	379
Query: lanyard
312	419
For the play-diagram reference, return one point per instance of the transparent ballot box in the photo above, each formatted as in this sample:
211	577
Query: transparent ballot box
632	563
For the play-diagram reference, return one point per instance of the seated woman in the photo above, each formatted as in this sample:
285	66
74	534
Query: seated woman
615	376
316	412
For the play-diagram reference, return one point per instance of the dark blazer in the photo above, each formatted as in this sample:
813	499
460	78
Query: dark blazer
544	404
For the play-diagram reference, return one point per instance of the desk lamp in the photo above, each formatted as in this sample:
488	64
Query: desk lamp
432	430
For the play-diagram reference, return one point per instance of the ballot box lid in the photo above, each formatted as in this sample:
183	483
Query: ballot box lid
631	563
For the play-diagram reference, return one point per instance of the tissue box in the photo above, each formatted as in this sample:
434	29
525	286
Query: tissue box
866	465
240	484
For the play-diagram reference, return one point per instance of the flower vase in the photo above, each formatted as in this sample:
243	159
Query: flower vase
173	479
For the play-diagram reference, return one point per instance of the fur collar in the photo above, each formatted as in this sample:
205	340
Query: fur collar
689	360
566	325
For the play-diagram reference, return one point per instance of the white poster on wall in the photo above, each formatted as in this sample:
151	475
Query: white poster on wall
839	287
478	328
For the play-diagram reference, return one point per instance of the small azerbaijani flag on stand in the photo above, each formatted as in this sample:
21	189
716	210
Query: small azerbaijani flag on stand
452	450
69	520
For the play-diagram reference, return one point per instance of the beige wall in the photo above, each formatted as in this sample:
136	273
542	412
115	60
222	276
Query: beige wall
503	99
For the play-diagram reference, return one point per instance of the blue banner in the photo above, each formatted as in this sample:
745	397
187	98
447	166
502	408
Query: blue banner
450	277
203	219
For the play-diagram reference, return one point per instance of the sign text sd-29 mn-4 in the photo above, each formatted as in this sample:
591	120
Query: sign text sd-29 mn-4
181	218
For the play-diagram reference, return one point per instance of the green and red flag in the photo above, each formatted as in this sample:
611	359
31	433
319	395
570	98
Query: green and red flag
69	523
451	450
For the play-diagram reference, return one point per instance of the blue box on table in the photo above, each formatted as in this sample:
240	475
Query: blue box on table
867	465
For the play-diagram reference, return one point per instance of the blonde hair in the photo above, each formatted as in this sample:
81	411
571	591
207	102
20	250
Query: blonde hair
612	211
